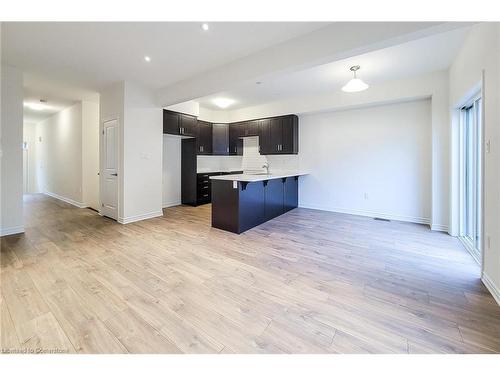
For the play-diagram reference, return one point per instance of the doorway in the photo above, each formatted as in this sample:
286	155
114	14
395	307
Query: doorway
471	178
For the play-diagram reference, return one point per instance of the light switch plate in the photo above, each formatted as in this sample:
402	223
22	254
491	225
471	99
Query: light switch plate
235	184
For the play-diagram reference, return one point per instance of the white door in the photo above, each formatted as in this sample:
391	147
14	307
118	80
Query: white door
109	173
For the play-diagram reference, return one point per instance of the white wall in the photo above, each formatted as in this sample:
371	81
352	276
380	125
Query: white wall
215	116
432	85
67	155
480	55
90	154
141	148
190	107
29	136
11	154
142	156
372	161
59	155
171	171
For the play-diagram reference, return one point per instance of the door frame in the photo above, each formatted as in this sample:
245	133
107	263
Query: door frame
101	162
478	95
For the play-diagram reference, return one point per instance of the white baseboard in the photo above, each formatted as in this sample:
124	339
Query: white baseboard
493	289
171	204
67	200
439	227
131	219
11	230
473	253
368	213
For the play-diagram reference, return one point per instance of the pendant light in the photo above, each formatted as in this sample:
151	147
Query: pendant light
355	84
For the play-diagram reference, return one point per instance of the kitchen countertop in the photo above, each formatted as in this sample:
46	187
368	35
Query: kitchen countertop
206	170
248	177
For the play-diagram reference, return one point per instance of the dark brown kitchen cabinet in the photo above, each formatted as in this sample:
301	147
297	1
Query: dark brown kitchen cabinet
251	128
238	206
290	135
179	123
188	125
273	198
290	193
279	135
220	139
236	132
171	121
204	138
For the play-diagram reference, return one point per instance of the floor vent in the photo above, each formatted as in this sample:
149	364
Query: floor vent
381	219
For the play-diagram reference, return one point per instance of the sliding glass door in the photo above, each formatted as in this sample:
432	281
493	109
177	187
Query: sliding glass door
471	177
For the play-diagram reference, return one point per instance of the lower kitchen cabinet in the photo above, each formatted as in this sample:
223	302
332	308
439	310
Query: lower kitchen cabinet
273	198
238	206
290	193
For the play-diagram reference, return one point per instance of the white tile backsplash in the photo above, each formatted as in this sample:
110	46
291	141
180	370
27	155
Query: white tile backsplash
251	160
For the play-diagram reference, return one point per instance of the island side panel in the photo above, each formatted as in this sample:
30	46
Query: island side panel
291	200
252	204
225	207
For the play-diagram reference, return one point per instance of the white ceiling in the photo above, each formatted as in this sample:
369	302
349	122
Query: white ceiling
58	95
92	55
404	60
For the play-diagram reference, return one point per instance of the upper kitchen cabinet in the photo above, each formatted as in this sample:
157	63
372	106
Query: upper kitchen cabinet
171	122
188	125
279	135
204	138
251	128
236	132
179	123
220	139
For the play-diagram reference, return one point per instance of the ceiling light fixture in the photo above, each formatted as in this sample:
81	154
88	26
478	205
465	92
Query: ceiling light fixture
205	27
37	106
355	84
223	102
147	58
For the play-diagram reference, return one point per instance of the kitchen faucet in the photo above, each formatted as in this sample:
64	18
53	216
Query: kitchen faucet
266	165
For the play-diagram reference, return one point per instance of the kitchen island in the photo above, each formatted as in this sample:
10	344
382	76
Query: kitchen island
243	201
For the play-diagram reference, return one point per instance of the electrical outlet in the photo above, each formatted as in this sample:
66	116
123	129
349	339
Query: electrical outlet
488	146
366	196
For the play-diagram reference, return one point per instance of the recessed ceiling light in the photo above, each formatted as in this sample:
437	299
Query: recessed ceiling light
223	102
37	106
205	27
147	58
355	84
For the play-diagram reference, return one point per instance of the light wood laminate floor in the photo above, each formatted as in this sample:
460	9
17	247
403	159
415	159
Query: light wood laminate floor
306	282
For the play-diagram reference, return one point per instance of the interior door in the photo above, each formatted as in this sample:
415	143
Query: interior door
109	173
